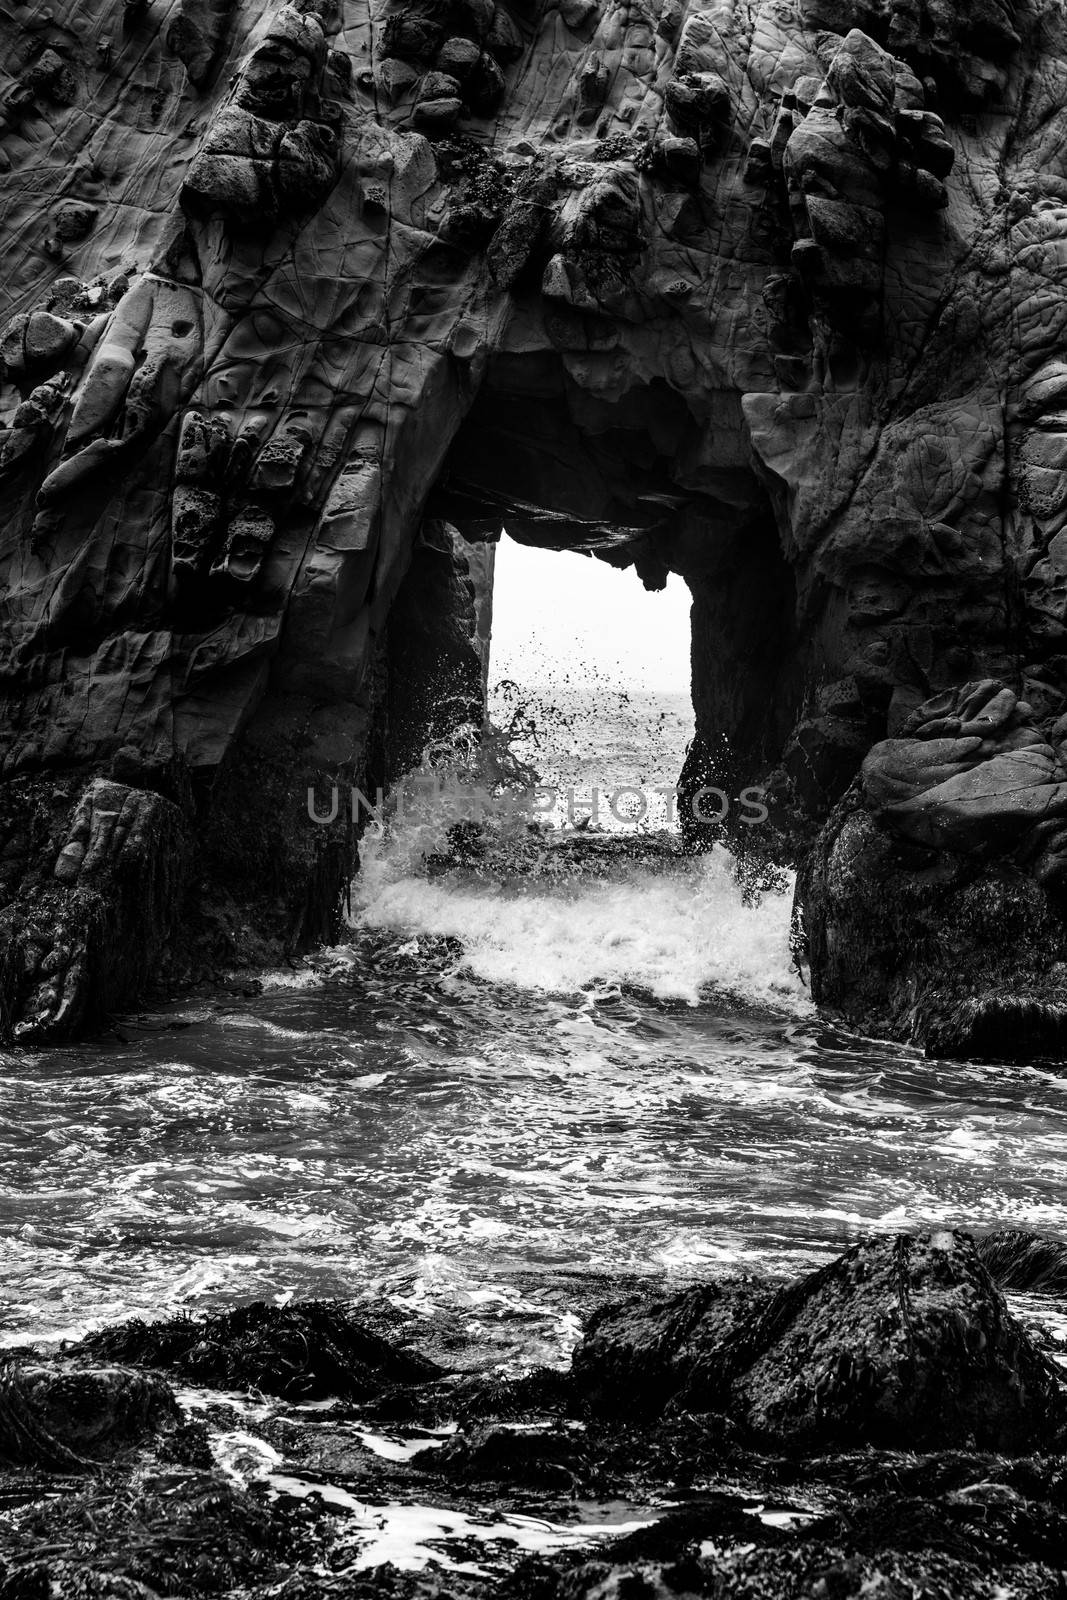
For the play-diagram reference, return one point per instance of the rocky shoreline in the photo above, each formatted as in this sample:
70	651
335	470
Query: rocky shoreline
882	1427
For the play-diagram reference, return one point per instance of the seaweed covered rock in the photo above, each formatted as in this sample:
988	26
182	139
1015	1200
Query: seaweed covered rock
902	1342
303	1502
1026	1262
64	1418
178	1533
770	1570
644	1353
303	1351
110	865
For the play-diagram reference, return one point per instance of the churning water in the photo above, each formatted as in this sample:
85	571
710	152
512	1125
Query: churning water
504	1091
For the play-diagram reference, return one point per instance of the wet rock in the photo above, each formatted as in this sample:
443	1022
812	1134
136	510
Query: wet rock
547	1456
500	853
61	1418
124	1538
301	1351
471	1399
901	1343
679	269
931	896
646	1353
715	1507
115	862
1026	1262
809	1572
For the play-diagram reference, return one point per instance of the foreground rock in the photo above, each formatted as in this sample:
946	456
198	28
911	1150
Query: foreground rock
901	1343
305	303
883	1428
299	1352
66	1418
1017	1259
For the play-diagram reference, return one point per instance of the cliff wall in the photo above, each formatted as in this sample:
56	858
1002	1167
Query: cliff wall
766	294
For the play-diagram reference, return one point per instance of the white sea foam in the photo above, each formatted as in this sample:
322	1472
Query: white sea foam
675	933
305	976
410	1536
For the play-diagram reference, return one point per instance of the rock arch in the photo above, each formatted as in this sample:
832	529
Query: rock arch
272	267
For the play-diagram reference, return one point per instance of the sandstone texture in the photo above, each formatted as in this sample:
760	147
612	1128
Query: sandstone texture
304	302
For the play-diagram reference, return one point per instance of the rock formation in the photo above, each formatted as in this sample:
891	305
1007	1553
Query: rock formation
880	1427
764	295
902	1343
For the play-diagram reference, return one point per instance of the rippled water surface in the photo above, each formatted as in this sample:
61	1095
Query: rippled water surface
484	1106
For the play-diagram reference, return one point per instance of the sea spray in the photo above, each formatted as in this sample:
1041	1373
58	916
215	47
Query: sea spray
676	932
591	738
542	909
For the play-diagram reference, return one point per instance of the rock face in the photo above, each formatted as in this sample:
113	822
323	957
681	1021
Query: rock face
901	1343
935	891
765	296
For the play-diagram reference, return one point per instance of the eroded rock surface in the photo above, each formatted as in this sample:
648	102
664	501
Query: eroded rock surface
935	892
766	296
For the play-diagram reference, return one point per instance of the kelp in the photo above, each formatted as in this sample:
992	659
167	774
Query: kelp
306	1351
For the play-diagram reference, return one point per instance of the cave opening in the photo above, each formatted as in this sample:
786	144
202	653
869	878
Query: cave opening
634	479
590	681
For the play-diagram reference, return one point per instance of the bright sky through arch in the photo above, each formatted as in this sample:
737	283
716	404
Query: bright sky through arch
554	611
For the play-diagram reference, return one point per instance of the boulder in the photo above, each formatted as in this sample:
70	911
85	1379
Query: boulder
931	899
904	1342
63	1418
302	1351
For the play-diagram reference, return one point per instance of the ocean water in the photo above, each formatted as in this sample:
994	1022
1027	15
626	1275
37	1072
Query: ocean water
506	1093
516	1088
